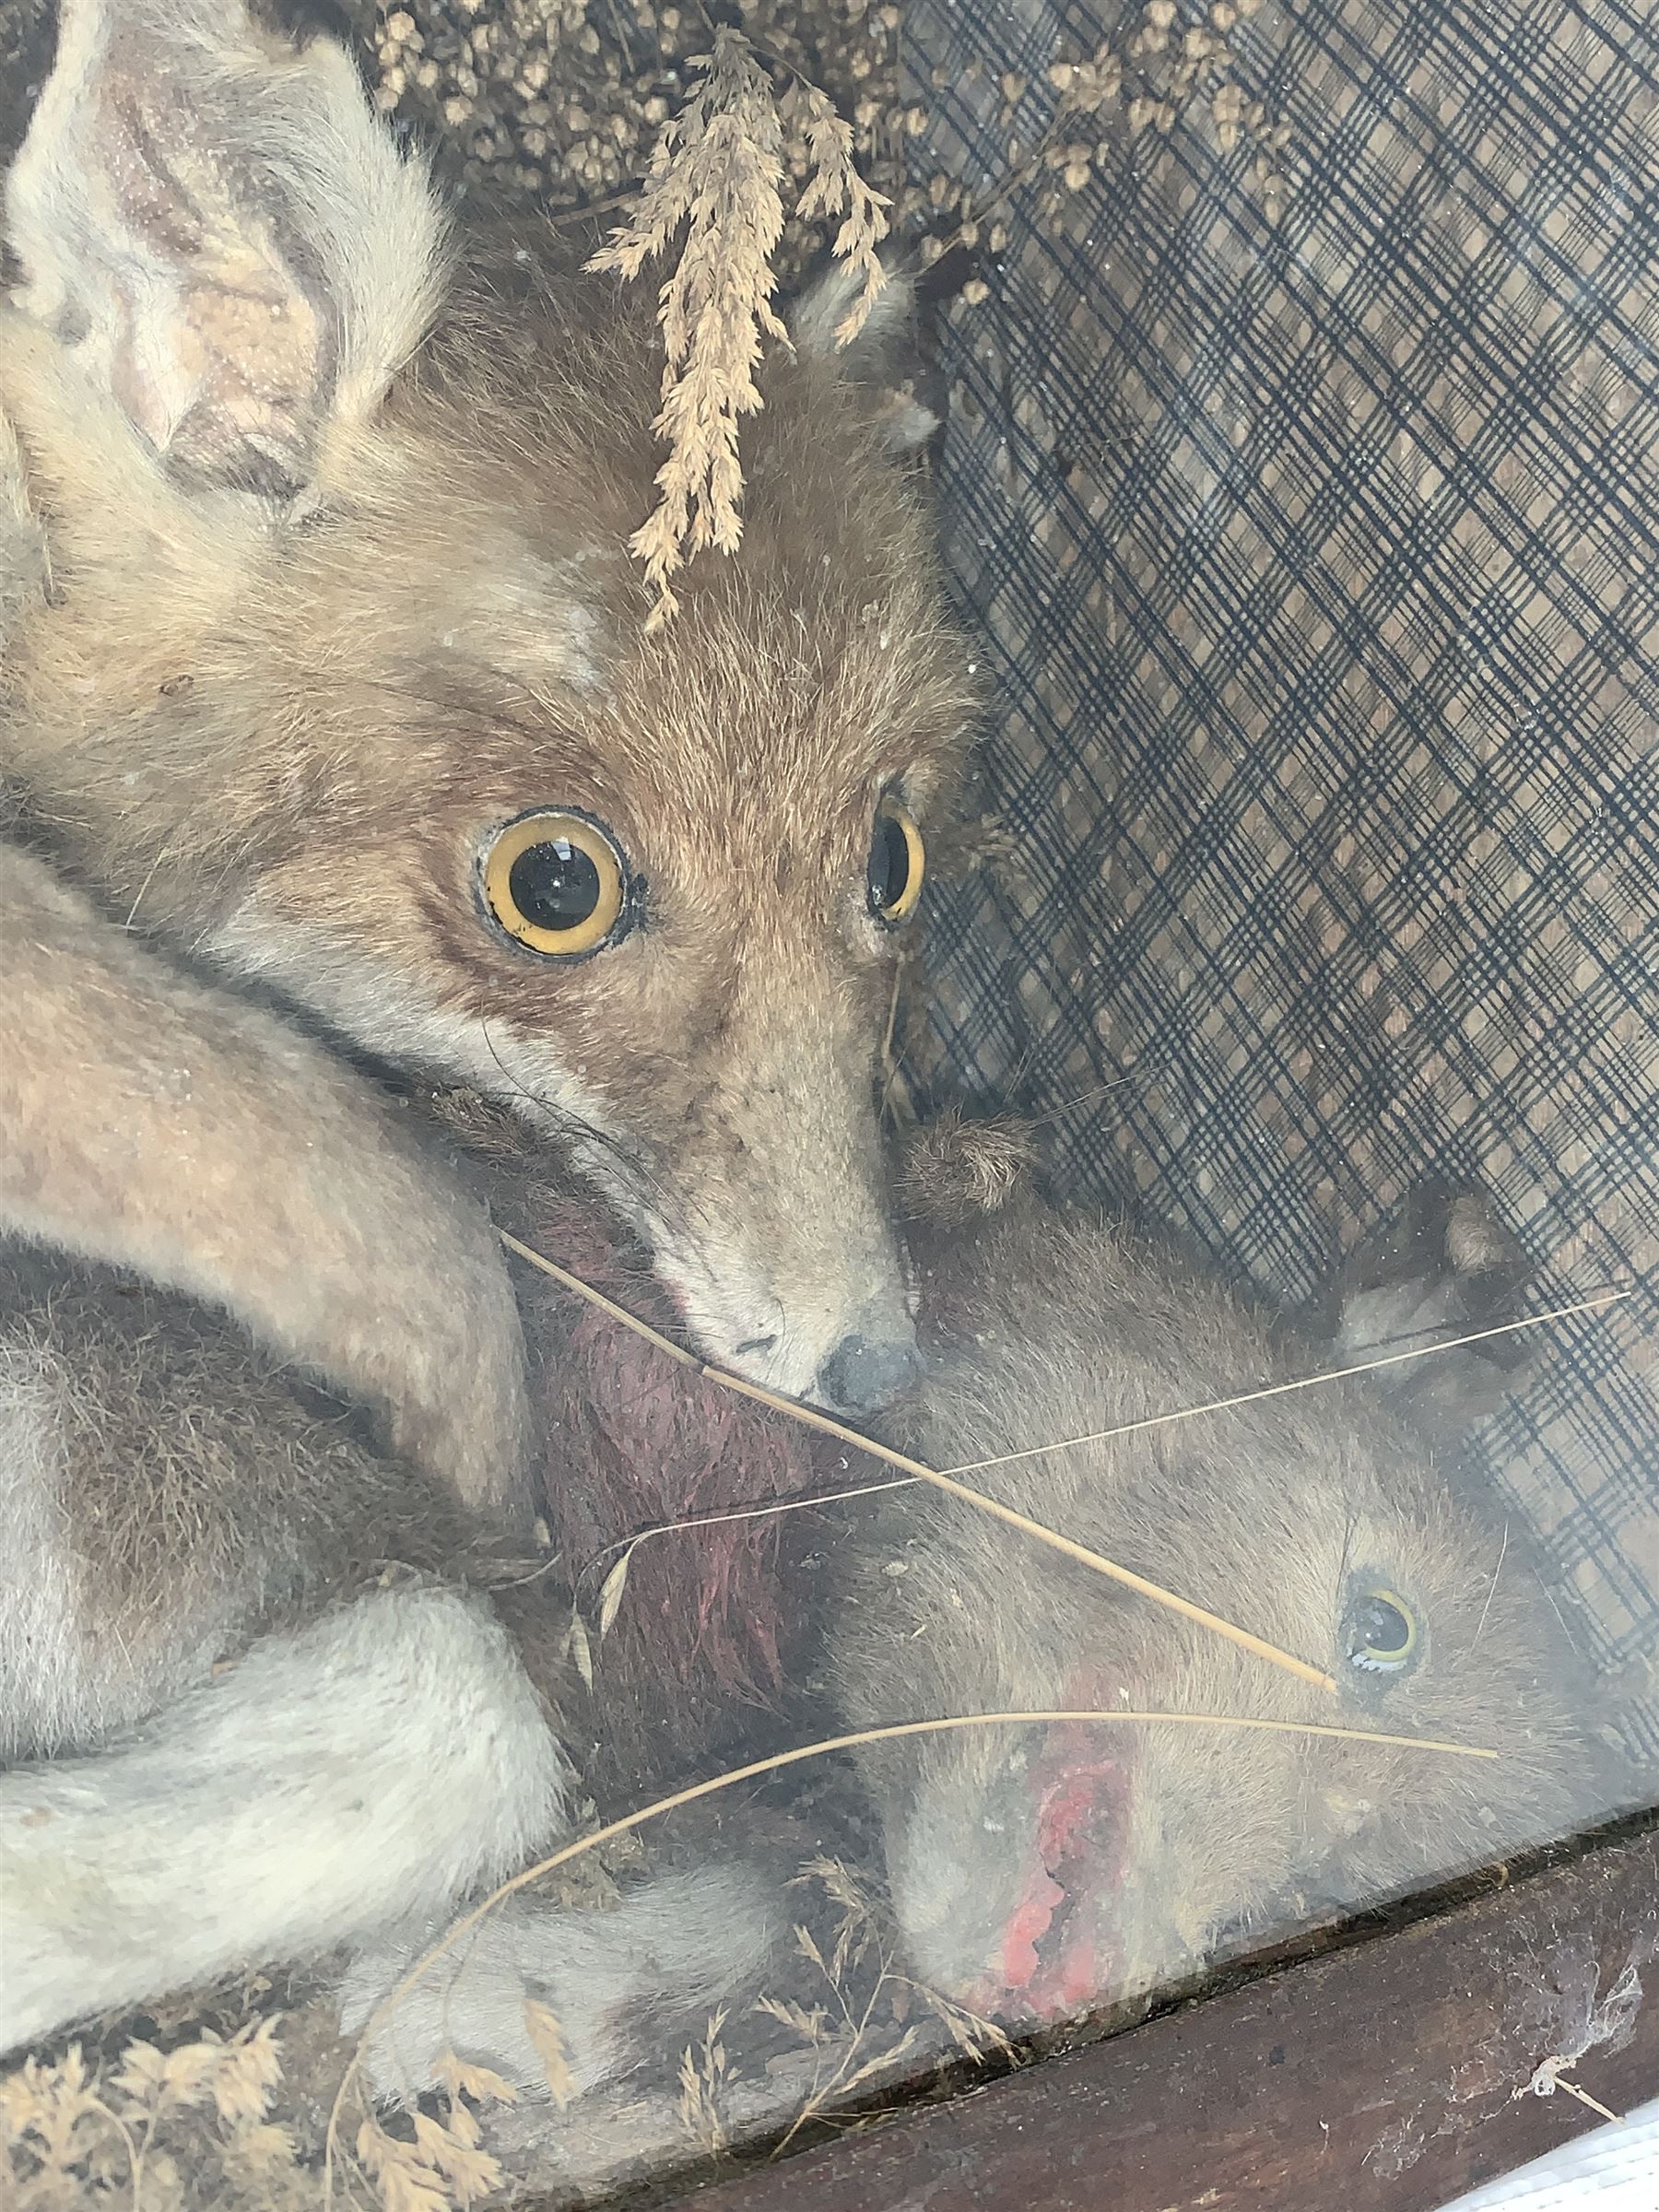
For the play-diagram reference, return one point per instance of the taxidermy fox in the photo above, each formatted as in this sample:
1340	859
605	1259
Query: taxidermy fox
332	740
326	673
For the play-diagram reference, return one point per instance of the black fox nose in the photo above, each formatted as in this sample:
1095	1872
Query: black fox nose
860	1377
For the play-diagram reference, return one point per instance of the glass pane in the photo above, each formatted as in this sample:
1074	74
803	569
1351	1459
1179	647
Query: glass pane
1146	1039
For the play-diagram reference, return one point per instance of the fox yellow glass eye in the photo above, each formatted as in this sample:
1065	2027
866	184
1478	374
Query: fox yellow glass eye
897	862
1380	1630
555	882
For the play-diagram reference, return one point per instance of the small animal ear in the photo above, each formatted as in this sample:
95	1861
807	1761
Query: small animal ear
1445	1267
884	357
219	235
954	1172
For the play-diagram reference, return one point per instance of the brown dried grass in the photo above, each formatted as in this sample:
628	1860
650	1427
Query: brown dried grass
157	2130
711	206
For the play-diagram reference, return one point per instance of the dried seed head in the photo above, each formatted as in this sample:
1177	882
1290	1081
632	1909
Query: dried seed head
715	188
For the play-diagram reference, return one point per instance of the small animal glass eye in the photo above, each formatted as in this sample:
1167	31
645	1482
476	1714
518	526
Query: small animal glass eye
898	863
556	883
1380	1630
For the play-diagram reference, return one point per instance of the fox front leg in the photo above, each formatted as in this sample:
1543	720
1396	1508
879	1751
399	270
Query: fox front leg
150	1121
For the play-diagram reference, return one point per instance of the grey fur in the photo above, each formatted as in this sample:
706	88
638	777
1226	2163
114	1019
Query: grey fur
664	1953
267	1815
1276	1516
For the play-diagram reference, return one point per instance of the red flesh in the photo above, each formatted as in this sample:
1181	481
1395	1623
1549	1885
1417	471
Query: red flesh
1053	1962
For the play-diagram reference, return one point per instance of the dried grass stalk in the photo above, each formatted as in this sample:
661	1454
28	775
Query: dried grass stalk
717	175
917	1471
946	1479
835	185
702	2078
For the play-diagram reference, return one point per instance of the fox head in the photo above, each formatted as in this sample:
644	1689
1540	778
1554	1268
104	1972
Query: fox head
339	676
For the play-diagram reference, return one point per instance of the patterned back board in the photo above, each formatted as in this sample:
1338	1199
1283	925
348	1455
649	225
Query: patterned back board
1314	527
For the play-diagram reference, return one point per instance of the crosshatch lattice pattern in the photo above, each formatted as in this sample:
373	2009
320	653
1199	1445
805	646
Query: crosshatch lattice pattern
1318	566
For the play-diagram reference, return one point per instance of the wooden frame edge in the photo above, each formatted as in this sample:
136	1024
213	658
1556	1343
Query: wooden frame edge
1388	2075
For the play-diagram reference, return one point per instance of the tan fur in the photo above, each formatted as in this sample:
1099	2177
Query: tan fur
315	624
313	574
154	1122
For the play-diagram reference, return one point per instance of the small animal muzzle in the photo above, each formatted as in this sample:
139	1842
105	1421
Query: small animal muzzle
863	1373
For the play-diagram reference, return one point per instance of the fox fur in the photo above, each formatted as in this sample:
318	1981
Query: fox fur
320	509
314	511
369	1751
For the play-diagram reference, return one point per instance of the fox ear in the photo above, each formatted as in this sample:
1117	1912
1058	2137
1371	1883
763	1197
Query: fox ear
219	235
1445	1268
884	359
